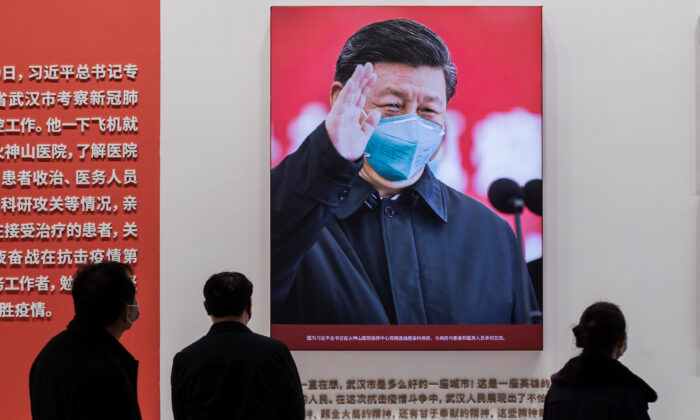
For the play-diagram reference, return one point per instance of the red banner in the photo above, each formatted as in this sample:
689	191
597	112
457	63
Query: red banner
79	168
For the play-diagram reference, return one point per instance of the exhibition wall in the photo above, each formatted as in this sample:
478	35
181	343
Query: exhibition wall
621	146
620	170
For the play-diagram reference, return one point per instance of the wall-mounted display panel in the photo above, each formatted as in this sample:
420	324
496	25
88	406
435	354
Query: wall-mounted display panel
399	247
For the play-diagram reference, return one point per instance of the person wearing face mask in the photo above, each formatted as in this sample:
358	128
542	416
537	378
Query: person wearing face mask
595	385
232	373
362	230
84	373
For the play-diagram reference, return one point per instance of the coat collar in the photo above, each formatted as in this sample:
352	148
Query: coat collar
427	189
99	335
227	327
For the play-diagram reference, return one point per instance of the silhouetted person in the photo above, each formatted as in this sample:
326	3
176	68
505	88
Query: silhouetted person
233	373
84	372
594	385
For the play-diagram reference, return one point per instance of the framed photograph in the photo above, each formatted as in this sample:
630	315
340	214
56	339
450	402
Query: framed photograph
388	127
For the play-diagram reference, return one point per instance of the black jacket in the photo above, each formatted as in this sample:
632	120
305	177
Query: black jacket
597	387
84	373
233	373
432	256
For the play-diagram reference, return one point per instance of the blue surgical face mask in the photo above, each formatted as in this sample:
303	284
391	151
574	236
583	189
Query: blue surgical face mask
401	146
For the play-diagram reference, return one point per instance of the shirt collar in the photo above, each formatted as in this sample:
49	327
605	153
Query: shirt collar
227	326
428	188
360	191
431	190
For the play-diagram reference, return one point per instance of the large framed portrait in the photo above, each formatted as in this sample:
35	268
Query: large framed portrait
389	125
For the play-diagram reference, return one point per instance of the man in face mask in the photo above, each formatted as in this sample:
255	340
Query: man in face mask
84	372
362	231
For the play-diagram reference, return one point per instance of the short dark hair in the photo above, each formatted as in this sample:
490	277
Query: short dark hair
601	327
100	292
401	41
227	293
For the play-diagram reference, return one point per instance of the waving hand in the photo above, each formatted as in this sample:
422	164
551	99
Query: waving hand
347	127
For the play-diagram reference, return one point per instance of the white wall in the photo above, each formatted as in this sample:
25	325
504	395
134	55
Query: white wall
621	185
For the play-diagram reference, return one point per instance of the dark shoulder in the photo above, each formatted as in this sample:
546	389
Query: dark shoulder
53	350
243	345
275	359
269	345
602	373
60	340
67	346
73	356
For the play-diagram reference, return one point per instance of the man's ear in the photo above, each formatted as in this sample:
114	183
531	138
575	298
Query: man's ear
336	87
206	308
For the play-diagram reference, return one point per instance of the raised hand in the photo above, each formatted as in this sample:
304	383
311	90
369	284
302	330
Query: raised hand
347	126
